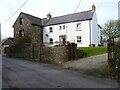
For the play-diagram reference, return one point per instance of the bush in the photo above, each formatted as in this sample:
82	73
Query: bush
23	40
18	45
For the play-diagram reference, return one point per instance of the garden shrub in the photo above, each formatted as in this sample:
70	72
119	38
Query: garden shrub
18	45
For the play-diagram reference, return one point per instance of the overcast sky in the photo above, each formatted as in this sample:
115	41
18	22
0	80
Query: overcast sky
106	10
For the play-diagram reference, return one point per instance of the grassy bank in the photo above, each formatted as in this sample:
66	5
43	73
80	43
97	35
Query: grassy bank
92	51
108	71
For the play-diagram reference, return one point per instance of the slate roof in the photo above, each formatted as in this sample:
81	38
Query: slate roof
33	19
7	41
81	16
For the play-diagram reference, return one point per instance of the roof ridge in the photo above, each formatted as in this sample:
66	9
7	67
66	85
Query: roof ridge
70	14
79	16
30	15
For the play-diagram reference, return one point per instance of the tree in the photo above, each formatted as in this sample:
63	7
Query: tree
111	31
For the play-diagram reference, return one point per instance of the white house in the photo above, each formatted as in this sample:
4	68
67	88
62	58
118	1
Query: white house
81	28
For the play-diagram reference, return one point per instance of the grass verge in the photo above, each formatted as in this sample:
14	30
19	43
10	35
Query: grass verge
92	51
108	71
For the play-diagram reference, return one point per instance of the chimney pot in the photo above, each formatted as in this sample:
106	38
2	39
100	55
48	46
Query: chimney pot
93	7
49	16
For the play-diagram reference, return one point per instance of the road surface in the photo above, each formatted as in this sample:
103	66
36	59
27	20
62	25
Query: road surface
0	71
18	73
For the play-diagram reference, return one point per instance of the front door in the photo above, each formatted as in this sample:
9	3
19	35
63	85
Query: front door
62	39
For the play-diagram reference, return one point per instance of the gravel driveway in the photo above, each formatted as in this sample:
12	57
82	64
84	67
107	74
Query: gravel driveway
90	65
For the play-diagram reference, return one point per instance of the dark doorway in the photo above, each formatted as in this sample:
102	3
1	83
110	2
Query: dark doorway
62	39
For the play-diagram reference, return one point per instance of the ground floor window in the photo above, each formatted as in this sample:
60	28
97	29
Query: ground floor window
51	40
21	33
79	39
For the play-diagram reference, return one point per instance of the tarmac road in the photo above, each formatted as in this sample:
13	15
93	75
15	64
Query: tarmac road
0	71
18	73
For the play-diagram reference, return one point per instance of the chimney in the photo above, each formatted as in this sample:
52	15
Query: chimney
93	7
49	16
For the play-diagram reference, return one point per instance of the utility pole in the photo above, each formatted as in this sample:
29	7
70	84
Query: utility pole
0	60
118	46
0	41
0	33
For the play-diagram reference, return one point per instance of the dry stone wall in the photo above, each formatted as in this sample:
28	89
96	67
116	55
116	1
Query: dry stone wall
37	52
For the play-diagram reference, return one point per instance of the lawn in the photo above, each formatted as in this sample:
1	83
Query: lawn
92	51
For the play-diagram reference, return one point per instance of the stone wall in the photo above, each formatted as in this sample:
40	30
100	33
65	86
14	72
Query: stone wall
36	52
54	55
30	30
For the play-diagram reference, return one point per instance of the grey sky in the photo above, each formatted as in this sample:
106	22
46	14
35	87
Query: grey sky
106	10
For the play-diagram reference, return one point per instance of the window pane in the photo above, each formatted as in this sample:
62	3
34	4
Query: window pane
21	21
63	26
79	39
79	26
51	29
60	27
51	40
21	33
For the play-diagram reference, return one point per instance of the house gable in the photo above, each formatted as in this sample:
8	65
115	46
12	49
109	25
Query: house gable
29	18
26	21
27	25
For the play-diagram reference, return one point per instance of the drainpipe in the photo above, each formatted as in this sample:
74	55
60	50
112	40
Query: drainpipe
90	30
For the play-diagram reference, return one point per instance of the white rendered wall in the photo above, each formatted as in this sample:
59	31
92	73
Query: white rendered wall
95	31
70	32
85	33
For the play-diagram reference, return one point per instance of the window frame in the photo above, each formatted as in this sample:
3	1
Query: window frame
51	40
21	33
78	27
63	27
79	40
51	29
60	27
21	21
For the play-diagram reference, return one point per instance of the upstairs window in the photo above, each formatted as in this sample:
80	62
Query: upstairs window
63	26
21	21
50	29
78	28
79	39
60	27
21	33
51	40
